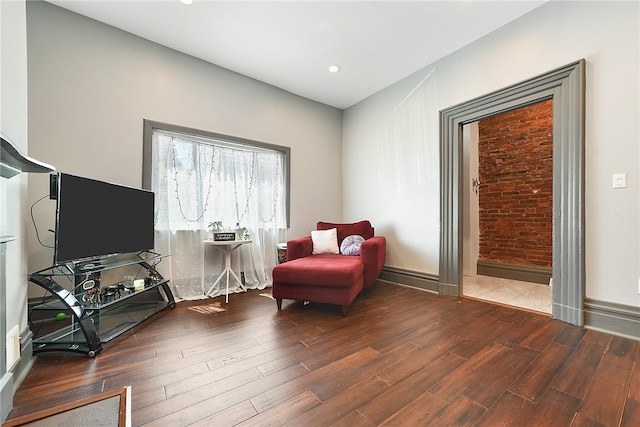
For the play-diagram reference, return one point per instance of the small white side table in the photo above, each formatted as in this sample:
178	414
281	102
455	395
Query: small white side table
226	247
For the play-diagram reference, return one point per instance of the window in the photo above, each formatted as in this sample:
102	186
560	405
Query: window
200	177
248	174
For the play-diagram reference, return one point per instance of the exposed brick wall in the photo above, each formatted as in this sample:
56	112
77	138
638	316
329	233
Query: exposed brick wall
516	176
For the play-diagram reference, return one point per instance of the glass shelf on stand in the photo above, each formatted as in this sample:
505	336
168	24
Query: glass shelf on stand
90	313
107	263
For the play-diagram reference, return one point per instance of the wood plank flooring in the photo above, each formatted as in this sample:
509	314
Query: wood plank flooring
402	357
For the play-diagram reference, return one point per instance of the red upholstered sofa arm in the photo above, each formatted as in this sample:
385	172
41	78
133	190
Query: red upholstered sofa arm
373	252
298	248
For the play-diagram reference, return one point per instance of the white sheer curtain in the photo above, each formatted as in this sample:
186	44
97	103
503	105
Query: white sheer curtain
199	180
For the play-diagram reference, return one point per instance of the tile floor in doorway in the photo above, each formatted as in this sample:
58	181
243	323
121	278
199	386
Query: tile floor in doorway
532	296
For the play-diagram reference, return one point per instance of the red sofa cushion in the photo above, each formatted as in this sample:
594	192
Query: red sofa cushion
332	270
360	228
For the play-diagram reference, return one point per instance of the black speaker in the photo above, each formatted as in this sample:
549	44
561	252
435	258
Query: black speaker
53	186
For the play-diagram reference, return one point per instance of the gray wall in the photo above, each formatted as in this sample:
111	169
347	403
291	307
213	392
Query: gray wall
395	132
91	86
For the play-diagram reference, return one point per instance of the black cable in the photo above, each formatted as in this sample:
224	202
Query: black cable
34	222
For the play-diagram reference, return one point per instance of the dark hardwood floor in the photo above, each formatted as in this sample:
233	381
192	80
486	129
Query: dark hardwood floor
402	357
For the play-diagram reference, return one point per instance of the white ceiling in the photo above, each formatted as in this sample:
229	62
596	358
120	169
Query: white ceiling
290	44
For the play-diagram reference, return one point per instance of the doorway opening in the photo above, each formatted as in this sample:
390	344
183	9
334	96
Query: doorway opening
566	86
507	207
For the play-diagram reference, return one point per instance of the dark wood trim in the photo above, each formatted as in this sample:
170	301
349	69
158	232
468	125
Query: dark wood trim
122	393
415	279
514	272
617	319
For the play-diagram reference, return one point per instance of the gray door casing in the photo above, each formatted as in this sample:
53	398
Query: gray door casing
566	86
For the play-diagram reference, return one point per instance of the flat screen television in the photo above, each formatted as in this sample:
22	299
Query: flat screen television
96	219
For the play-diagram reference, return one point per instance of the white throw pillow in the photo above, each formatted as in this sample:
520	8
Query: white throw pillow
325	241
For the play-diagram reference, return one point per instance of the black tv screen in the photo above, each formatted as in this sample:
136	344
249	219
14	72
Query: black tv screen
95	219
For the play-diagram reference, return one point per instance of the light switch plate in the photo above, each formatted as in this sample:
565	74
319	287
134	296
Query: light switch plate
619	180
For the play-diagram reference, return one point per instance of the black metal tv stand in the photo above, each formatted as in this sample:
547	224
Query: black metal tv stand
90	313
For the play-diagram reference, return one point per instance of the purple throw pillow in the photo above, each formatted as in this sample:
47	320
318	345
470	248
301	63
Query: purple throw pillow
351	245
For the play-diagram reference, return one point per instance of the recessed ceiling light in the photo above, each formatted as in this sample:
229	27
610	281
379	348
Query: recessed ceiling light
186	1
334	68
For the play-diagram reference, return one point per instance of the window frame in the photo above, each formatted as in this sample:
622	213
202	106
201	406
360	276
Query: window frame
147	147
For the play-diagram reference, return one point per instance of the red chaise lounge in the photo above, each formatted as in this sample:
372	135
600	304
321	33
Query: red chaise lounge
316	273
